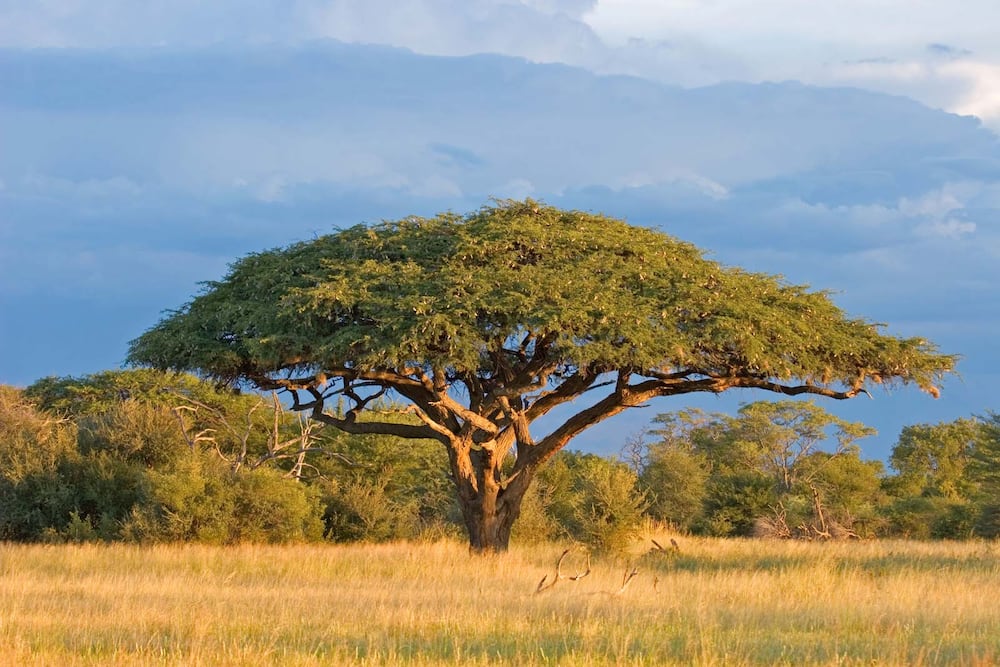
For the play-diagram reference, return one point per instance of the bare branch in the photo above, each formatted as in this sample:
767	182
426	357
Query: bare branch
627	579
543	586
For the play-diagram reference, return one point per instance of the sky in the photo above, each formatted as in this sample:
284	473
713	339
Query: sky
849	145
944	54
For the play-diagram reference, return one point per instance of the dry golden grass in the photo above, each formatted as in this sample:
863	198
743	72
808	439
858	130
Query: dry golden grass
714	602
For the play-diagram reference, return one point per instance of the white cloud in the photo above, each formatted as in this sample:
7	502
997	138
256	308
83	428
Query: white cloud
965	84
539	31
934	204
982	96
574	8
517	188
941	54
434	186
950	228
683	178
830	26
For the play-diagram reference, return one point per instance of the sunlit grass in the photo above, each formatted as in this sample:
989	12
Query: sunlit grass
713	602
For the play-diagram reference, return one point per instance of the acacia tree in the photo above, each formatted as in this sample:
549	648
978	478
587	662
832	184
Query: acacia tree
483	323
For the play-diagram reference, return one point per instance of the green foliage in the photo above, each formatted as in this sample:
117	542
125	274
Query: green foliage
932	459
123	469
140	402
784	468
932	517
201	499
46	484
382	488
948	478
97	393
734	502
360	509
97	489
984	467
675	479
594	500
536	523
30	440
119	464
440	291
782	434
141	433
850	491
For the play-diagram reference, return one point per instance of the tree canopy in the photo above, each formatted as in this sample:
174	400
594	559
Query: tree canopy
487	321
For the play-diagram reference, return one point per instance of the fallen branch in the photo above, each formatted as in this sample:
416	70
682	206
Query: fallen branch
627	579
545	584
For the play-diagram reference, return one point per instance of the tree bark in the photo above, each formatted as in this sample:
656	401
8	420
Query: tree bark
489	505
489	524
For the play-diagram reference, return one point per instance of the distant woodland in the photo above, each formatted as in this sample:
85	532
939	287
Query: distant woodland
146	456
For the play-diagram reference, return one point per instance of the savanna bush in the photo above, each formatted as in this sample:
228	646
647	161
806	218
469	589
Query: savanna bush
594	500
201	499
360	509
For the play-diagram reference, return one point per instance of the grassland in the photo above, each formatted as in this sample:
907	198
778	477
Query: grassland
713	602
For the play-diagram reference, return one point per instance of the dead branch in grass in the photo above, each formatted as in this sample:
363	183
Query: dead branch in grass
545	584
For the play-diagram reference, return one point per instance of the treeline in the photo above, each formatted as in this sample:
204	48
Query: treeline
144	456
789	469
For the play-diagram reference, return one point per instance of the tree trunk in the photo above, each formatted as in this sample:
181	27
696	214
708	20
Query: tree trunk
489	508
489	520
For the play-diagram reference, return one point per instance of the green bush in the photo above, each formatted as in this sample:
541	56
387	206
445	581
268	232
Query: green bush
141	433
268	507
360	509
674	479
48	488
31	441
535	523
200	499
593	500
734	501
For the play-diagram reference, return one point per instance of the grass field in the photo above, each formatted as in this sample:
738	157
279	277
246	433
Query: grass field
713	602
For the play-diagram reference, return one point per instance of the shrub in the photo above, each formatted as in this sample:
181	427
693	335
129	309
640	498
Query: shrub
360	509
137	432
201	499
734	501
594	500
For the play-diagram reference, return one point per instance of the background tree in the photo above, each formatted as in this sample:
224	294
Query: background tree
674	466
932	459
937	487
986	468
784	433
785	468
486	322
847	489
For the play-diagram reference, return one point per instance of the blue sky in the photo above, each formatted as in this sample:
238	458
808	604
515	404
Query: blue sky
146	145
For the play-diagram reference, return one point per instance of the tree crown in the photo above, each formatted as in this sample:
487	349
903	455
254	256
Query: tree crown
521	292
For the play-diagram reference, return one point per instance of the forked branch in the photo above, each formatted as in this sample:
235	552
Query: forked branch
545	584
627	578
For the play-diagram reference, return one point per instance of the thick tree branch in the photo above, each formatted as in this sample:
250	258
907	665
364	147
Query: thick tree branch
570	388
379	428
